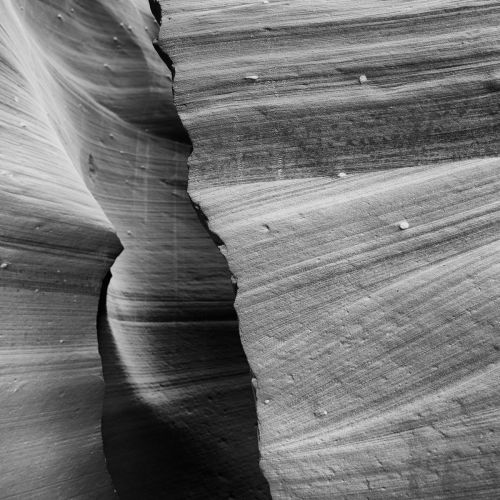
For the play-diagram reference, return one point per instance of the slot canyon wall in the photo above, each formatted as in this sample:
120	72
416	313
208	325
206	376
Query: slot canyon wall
345	161
93	158
347	156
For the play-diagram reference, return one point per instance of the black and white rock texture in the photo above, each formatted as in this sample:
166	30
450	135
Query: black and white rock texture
92	154
345	161
346	154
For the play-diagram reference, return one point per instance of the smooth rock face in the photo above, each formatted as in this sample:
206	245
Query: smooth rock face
318	128
90	142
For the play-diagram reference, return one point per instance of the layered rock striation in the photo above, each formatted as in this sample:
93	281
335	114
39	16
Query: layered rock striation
56	245
93	158
346	155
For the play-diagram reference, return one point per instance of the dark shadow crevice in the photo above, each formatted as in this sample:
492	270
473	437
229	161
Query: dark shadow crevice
152	455
206	448
155	7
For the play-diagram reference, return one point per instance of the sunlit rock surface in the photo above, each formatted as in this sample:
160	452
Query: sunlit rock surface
56	245
346	154
91	144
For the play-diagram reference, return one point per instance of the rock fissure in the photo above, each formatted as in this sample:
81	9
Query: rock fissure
177	402
156	8
359	335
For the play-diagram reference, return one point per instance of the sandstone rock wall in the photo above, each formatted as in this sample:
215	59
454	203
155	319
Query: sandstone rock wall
345	160
56	245
91	144
346	155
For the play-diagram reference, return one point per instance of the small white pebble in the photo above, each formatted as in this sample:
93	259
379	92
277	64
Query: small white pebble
106	65
59	16
320	413
404	224
363	79
146	28
252	78
266	401
341	175
129	27
121	24
129	232
115	39
4	265
61	341
36	290
265	1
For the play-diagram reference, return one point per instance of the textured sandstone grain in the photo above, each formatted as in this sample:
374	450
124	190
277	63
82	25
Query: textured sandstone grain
56	245
375	346
90	141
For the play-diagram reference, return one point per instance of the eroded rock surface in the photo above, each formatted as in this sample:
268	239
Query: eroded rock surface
56	245
346	153
90	143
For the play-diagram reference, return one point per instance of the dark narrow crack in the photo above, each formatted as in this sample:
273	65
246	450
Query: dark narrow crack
156	11
155	7
204	222
103	340
260	489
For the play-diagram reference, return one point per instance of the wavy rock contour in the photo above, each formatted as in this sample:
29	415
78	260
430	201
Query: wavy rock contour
346	154
91	144
56	245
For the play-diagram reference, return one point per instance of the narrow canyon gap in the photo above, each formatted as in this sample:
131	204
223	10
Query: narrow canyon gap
87	98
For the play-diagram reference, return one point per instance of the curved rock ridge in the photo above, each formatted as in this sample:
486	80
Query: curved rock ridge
91	141
56	245
346	155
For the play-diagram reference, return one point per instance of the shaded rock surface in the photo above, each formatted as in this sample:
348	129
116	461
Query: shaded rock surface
346	154
90	141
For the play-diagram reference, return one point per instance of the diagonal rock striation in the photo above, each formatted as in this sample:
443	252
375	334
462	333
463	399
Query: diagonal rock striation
92	150
347	156
56	245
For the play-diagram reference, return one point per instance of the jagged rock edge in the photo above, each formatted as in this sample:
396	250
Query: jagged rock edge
156	10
